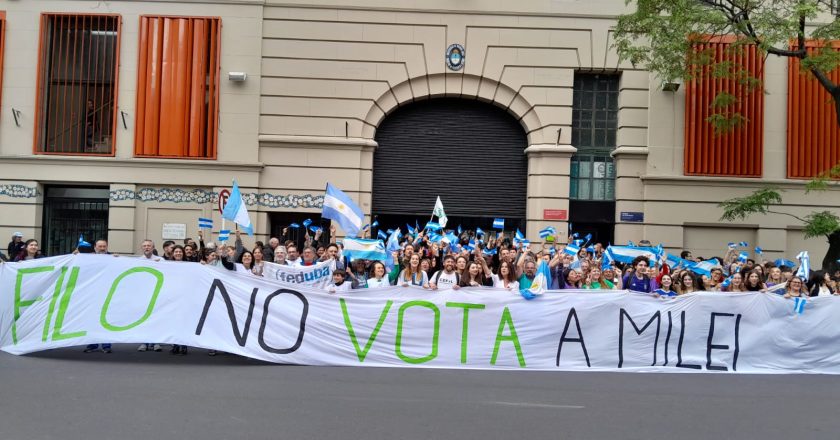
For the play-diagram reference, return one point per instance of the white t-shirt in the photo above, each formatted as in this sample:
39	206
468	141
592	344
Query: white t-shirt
373	283
500	283
444	280
824	291
344	287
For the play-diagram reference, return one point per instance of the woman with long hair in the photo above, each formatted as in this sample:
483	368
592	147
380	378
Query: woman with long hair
473	276
178	253
245	263
819	284
752	281
571	279
736	284
795	288
596	280
258	261
461	264
31	250
688	283
666	287
774	277
412	275
506	278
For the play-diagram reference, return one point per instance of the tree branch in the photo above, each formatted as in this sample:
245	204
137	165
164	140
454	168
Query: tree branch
787	214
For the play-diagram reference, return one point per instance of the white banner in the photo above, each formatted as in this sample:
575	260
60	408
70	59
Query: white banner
75	300
316	276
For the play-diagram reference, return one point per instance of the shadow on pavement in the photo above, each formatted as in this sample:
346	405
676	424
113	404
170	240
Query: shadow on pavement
127	353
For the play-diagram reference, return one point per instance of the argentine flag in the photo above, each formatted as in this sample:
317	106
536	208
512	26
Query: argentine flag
393	245
572	249
626	254
236	211
364	249
499	223
541	283
339	207
804	270
547	232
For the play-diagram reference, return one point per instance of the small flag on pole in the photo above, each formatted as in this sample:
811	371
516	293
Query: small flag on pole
758	250
307	222
804	270
236	210
381	235
743	244
479	232
433	226
547	232
205	223
82	242
224	235
499	223
339	207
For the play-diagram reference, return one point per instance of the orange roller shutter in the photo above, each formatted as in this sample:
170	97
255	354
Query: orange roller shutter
813	137
737	152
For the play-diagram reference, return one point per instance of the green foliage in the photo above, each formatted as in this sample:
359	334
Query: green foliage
820	183
759	202
661	35
821	223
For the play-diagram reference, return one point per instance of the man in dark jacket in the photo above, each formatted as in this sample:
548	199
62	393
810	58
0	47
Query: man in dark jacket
15	246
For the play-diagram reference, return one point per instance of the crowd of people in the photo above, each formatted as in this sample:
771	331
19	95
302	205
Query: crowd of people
476	260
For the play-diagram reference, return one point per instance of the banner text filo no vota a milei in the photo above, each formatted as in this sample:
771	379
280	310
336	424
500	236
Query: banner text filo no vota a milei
75	300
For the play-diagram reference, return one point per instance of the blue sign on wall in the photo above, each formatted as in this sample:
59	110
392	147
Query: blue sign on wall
632	216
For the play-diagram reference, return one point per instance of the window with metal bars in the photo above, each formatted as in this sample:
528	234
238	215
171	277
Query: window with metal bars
178	87
594	130
77	84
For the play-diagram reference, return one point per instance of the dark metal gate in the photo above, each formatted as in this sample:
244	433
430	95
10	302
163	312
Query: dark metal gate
71	212
470	153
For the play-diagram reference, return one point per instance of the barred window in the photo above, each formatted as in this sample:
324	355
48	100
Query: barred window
77	84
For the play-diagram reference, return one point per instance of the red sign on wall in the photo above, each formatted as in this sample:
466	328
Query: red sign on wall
555	214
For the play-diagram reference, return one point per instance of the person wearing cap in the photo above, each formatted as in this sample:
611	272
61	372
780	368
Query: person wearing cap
15	246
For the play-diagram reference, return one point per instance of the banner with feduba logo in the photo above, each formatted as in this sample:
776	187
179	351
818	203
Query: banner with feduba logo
316	276
76	300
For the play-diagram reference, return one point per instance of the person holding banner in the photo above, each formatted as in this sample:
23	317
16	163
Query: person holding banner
753	283
446	277
795	288
338	283
665	289
245	263
148	247
412	275
736	284
258	260
378	276
473	276
280	255
31	251
638	280
572	279
596	280
687	283
774	277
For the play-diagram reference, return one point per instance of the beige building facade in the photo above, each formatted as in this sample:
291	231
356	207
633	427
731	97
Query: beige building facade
323	77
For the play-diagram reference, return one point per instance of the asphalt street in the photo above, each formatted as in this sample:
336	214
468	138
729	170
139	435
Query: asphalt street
65	394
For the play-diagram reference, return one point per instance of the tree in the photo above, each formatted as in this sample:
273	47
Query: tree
661	35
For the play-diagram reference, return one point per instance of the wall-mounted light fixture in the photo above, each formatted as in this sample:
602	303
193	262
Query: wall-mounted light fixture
16	114
237	76
671	86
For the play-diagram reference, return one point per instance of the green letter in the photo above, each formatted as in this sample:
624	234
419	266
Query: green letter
62	309
513	338
103	316
465	325
21	304
52	304
359	351
400	316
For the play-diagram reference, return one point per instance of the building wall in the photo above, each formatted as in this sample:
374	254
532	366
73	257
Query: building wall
324	75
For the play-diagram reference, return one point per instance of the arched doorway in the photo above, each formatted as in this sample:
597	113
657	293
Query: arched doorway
468	152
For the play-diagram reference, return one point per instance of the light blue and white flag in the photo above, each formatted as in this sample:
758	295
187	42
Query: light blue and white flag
411	230
758	251
294	226
434	236
236	211
545	233
433	226
450	237
799	304
381	234
364	249
743	256
224	235
804	270
703	267
518	237
571	249
374	224
493	251
784	262
205	223
393	245
606	259
479	232
307	222
339	207
743	244
499	223
626	254
541	282
82	242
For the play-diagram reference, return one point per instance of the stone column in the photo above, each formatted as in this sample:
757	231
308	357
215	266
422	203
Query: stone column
630	166
122	238
548	186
